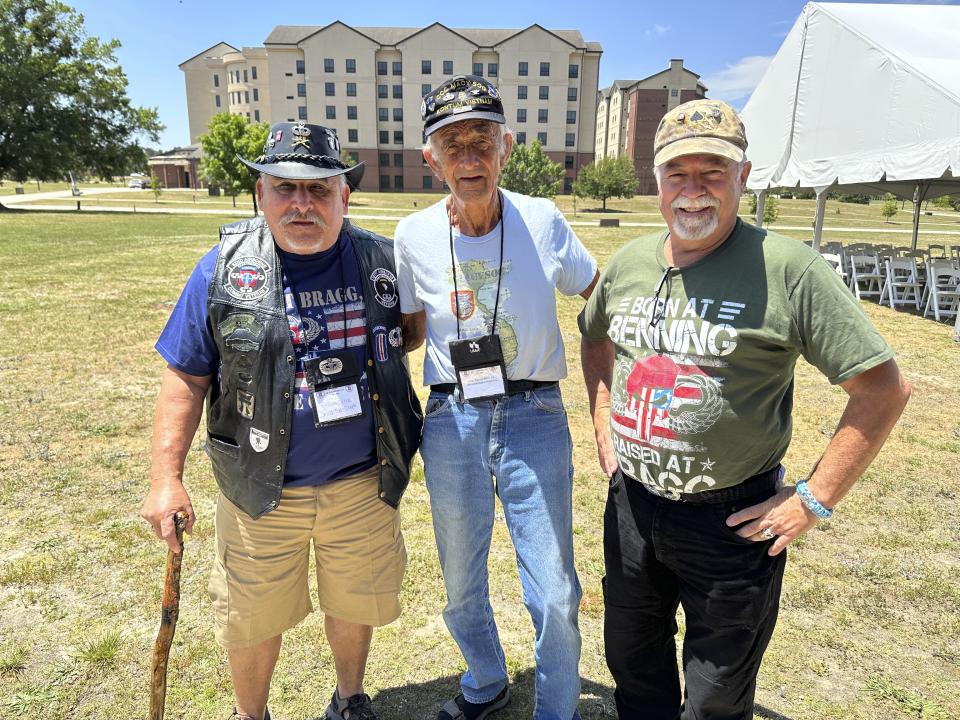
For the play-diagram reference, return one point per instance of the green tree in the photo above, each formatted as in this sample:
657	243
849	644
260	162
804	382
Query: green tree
228	136
889	207
606	178
63	98
531	172
156	187
771	208
346	158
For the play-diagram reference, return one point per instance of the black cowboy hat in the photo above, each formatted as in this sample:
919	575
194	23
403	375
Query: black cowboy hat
297	151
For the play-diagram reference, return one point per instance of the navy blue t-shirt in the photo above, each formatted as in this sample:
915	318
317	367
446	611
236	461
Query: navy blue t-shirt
332	316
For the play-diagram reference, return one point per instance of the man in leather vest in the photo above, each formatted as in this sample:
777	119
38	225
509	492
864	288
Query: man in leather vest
290	329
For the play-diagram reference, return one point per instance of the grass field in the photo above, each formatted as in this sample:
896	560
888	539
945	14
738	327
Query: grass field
870	616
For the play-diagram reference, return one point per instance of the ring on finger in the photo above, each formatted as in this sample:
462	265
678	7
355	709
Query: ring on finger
767	534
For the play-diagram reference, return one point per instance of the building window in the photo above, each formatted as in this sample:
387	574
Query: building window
521	138
385	159
544	92
398	159
329	89
246	97
301	89
398	182
522	69
478	69
352	135
424	89
571	117
398	114
567	185
397	67
428	182
571	94
383	91
383	114
302	112
673	92
351	65
573	71
568	162
570	140
521	92
397	92
521	115
544	69
328	64
492	69
355	156
248	117
542	115
351	112
301	67
426	67
253	72
448	67
381	67
384	182
542	138
256	116
331	112
351	89
216	80
245	75
216	100
398	137
256	95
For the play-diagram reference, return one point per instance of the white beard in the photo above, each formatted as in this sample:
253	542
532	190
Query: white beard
694	227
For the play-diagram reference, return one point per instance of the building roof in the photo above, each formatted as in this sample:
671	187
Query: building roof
618	85
389	36
208	50
178	153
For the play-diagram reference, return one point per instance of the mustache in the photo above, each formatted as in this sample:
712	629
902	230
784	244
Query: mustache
294	216
682	203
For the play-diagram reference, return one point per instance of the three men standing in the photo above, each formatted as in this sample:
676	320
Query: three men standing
477	276
689	347
290	329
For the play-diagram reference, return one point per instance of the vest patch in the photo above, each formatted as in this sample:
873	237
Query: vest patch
259	440
385	287
247	278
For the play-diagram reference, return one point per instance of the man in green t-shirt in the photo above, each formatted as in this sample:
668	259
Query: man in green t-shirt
690	342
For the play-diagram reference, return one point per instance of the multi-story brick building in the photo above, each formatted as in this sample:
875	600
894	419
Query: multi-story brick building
629	111
368	83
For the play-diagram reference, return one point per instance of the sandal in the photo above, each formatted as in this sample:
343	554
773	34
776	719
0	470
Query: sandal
462	709
241	716
355	707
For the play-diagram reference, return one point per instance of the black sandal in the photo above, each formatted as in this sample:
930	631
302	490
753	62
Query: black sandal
461	709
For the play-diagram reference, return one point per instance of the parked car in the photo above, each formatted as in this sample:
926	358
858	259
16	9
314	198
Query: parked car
138	181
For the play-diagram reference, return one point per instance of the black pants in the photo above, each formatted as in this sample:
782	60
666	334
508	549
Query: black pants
660	553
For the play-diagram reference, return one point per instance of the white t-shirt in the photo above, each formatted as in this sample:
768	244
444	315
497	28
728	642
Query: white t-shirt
540	253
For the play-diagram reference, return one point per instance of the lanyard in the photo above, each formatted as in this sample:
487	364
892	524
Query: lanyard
293	308
453	267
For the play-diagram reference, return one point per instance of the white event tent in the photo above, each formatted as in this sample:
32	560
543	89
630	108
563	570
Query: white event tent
865	96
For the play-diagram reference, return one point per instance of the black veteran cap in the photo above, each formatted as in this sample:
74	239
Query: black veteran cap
297	151
462	97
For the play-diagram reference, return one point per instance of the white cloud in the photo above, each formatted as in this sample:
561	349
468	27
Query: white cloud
737	81
656	30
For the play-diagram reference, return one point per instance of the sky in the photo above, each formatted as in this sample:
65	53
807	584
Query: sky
729	44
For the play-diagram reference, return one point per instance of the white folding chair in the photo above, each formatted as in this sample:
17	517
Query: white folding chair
865	276
900	286
836	262
936	250
942	291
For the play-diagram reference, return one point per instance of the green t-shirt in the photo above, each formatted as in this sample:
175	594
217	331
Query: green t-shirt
703	400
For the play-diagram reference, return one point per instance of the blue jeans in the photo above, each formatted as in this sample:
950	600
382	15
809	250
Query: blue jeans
518	447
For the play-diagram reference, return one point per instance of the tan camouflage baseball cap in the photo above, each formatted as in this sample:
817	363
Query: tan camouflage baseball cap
700	126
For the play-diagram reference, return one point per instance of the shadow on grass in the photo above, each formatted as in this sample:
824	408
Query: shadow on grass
422	701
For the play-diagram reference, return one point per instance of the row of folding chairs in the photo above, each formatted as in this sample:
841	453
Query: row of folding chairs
931	284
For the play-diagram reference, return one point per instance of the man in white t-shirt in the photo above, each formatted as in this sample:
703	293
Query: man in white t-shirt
477	275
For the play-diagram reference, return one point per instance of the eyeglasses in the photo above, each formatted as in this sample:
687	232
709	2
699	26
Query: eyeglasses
660	306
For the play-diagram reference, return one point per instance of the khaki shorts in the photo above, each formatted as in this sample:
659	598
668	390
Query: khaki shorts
259	583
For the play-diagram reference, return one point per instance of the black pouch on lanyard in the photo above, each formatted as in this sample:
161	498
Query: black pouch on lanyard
481	372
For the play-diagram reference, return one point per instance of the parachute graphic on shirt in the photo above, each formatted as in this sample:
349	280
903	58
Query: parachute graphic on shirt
667	402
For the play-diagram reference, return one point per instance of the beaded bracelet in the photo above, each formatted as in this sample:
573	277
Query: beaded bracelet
810	502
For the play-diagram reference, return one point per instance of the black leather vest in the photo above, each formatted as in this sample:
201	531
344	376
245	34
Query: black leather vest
250	406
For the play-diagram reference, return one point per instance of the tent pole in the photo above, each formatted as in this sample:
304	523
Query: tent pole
818	220
916	216
761	201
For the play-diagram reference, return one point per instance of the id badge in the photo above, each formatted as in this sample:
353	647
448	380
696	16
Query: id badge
481	372
335	397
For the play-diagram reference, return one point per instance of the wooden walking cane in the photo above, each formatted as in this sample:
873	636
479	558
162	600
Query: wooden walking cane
170	609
